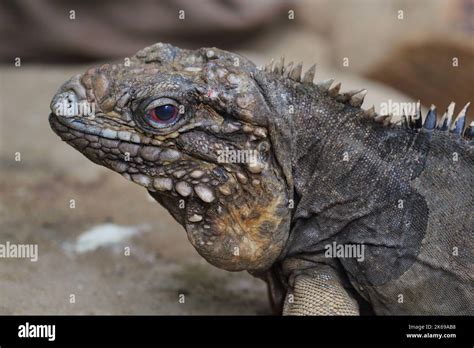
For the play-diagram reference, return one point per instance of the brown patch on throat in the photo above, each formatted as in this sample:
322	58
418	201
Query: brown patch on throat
253	229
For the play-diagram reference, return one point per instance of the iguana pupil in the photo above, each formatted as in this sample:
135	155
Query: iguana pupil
165	113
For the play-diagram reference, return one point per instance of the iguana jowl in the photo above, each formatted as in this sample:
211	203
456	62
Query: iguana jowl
326	173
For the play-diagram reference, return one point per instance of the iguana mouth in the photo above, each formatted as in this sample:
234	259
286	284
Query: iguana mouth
106	148
105	144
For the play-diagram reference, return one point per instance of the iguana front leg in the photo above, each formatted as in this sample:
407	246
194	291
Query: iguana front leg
318	291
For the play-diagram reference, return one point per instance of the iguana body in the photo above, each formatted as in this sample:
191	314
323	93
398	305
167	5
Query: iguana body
325	173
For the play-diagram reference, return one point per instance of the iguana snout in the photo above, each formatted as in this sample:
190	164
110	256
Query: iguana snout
190	127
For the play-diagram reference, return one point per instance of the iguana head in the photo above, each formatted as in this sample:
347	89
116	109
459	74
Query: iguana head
192	128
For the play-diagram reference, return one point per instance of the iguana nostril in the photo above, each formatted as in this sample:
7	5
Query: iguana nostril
62	101
67	105
70	99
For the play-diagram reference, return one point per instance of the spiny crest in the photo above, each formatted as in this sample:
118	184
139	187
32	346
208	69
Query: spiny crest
291	71
415	122
445	123
294	73
355	98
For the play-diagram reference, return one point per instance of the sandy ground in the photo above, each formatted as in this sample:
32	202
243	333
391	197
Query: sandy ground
35	196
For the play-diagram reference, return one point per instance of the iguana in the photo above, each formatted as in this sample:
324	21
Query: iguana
287	179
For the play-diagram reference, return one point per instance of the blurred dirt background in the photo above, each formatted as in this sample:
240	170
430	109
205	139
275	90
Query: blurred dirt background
402	59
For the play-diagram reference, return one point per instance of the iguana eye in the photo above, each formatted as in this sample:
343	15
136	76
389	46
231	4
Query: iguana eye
161	113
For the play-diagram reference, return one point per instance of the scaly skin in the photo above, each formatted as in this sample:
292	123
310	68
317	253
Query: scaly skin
325	171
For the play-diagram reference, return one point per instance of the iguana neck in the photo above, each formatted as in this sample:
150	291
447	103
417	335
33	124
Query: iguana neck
338	158
308	124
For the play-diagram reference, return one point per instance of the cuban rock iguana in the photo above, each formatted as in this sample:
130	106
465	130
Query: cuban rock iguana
323	173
